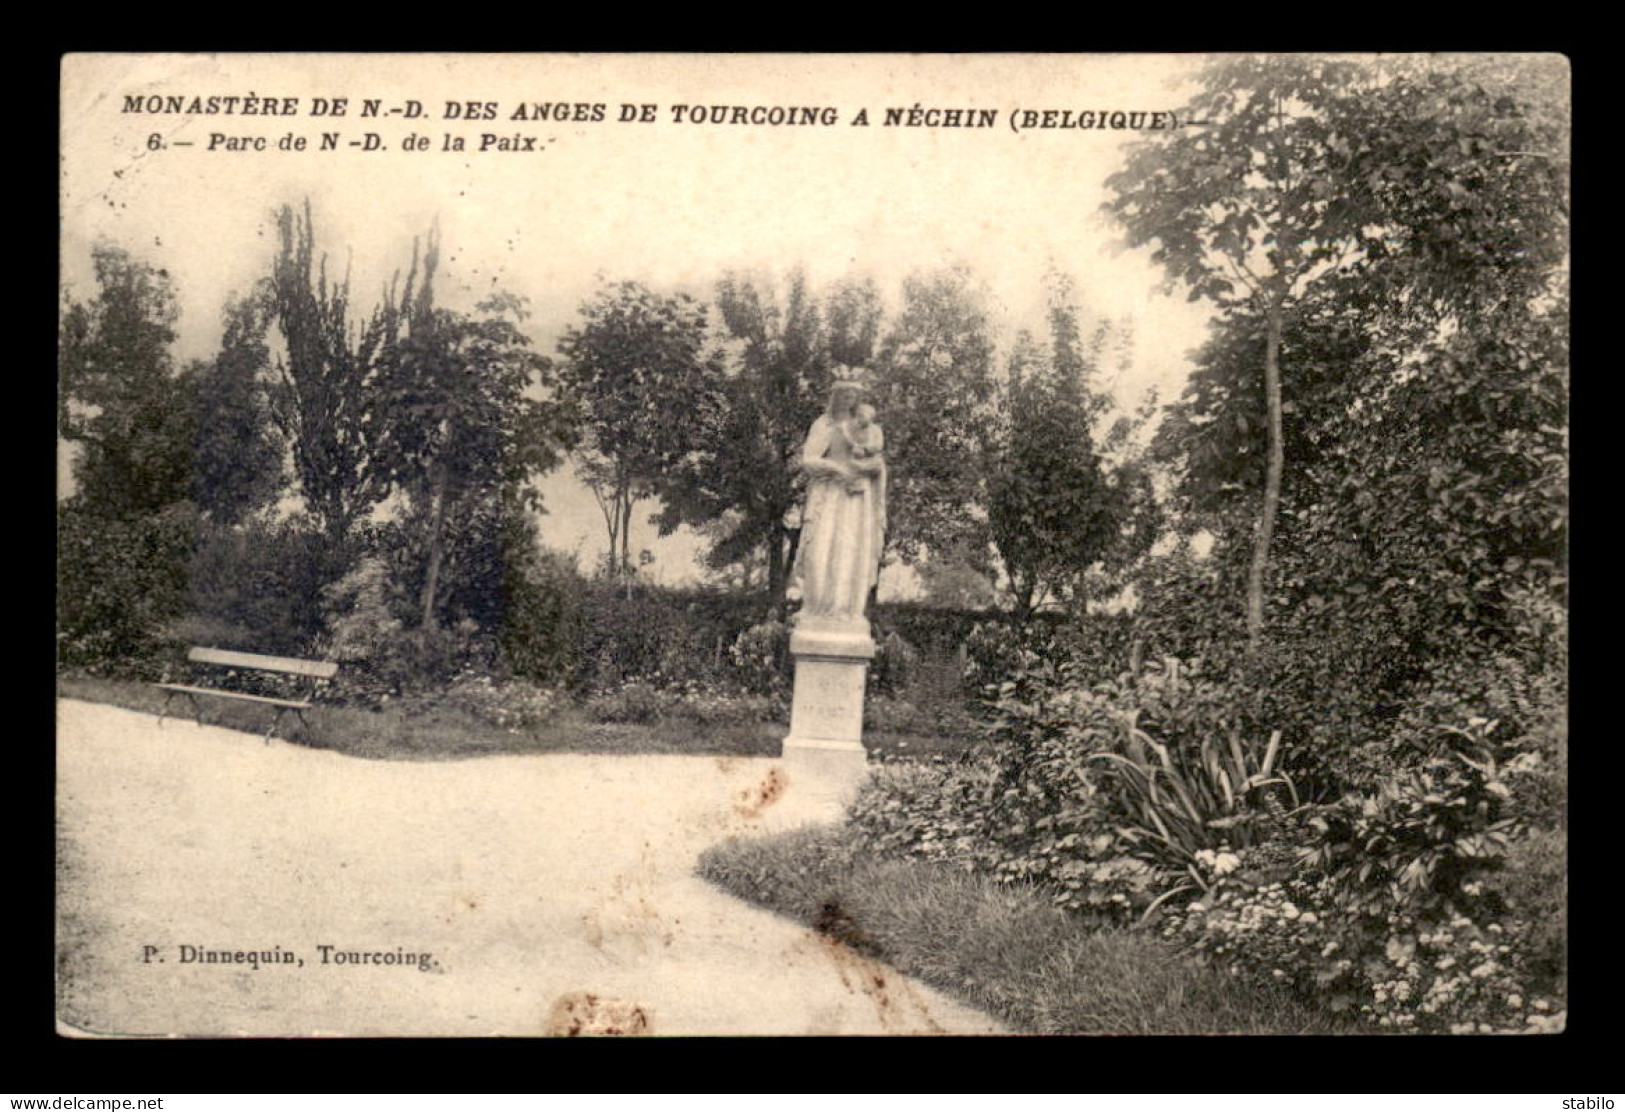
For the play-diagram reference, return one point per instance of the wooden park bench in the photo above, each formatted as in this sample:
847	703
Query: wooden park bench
316	672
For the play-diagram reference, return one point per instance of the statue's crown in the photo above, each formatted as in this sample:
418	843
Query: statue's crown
854	377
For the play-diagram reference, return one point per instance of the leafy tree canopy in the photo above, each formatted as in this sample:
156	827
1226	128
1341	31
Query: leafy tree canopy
638	367
936	394
119	396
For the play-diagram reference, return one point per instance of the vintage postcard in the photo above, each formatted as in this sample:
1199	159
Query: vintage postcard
664	544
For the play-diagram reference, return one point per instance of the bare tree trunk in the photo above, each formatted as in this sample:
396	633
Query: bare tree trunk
614	518
626	540
777	567
1024	602
787	541
437	546
1272	478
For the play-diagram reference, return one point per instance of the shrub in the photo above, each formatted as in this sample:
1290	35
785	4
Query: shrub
652	636
894	716
912	810
1103	646
267	579
1182	703
1344	667
1091	647
934	630
119	582
1519	702
1418	839
408	662
1533	885
714	706
962	816
1403	970
637	702
930	718
1205	786
992	654
894	665
1189	607
541	635
1179	808
515	706
195	629
760	656
1424	904
359	613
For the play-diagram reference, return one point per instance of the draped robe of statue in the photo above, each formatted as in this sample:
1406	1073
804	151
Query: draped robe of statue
843	529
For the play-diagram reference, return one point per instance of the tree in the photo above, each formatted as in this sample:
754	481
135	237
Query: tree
935	393
119	397
742	482
1055	506
239	455
1424	424
475	415
638	367
949	580
325	394
1248	206
119	580
1460	277
746	575
164	456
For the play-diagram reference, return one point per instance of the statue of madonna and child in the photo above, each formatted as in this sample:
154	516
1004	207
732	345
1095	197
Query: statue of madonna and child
844	521
843	528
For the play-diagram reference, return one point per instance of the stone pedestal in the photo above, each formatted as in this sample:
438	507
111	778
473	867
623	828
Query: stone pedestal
824	757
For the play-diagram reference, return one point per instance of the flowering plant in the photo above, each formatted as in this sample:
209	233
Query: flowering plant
1440	971
760	657
513	706
967	816
1390	906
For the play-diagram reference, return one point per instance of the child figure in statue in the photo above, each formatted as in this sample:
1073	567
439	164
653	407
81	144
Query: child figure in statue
867	437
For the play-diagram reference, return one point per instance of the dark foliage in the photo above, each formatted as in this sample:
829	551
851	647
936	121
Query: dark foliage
120	581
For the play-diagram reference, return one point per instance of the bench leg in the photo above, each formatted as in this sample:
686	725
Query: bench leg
197	709
276	718
163	710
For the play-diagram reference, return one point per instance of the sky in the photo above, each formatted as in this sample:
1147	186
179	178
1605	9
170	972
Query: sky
673	204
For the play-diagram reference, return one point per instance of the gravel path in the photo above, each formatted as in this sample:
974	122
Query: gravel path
554	893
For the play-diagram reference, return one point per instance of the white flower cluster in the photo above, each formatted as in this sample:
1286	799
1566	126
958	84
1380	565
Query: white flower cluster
1222	863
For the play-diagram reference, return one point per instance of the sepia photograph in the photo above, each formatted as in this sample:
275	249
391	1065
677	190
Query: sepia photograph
681	544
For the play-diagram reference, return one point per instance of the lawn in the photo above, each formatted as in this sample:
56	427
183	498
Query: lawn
1003	948
423	730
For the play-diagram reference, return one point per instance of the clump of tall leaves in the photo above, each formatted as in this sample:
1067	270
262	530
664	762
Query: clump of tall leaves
1215	798
1179	767
1071	790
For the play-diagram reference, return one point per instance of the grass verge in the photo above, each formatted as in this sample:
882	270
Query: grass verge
427	732
440	733
1004	949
